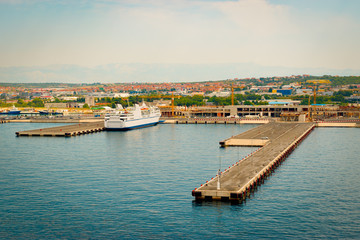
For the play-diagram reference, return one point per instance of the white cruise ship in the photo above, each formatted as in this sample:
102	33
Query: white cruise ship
137	117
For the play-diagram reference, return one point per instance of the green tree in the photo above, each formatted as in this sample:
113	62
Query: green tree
197	100
262	103
80	99
21	103
345	93
86	105
218	101
305	101
338	98
36	102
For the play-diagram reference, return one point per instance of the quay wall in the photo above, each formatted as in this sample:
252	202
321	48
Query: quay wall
338	124
215	121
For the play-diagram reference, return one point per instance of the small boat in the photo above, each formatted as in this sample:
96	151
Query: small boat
29	112
46	112
12	111
137	117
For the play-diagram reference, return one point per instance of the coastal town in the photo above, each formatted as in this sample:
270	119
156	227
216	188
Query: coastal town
206	119
290	98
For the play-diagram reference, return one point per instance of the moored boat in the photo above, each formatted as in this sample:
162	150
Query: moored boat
137	117
47	112
12	111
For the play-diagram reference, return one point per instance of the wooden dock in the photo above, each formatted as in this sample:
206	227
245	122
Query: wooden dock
240	179
65	131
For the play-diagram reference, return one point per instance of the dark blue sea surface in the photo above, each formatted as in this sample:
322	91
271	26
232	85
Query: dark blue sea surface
137	184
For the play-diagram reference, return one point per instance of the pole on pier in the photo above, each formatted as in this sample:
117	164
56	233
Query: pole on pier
172	105
219	174
218	183
232	95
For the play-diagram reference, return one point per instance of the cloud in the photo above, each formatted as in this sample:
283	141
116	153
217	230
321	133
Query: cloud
16	2
115	73
105	32
257	17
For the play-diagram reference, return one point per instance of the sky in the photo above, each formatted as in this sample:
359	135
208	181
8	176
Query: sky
176	40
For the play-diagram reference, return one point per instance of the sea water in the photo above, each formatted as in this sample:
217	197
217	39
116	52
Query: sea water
137	185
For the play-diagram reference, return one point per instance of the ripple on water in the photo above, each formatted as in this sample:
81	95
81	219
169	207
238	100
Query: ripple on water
138	184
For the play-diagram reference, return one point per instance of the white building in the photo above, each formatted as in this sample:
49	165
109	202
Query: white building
110	95
304	92
220	94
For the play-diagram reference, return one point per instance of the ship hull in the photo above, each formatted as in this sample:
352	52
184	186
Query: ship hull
132	128
118	125
11	113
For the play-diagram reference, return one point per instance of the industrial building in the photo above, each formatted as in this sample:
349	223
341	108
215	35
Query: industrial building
280	111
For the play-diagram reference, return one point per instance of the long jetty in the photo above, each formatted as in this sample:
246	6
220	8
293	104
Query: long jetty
236	183
65	131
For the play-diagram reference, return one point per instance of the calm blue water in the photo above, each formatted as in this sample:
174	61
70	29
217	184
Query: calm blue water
137	184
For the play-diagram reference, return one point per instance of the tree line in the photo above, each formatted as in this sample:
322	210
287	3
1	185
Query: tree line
338	97
36	102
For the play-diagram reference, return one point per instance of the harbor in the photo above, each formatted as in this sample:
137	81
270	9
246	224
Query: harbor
147	175
259	136
221	119
236	182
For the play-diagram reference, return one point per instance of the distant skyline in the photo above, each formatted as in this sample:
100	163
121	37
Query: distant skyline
179	40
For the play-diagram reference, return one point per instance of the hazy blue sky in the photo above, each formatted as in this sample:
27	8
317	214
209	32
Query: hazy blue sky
179	40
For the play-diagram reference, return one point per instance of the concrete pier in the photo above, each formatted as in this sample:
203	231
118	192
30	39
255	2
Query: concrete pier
260	135
65	131
237	181
55	120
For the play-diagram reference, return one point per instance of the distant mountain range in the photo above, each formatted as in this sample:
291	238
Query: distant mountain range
139	72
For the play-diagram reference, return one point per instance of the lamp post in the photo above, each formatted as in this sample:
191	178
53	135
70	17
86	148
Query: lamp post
219	174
